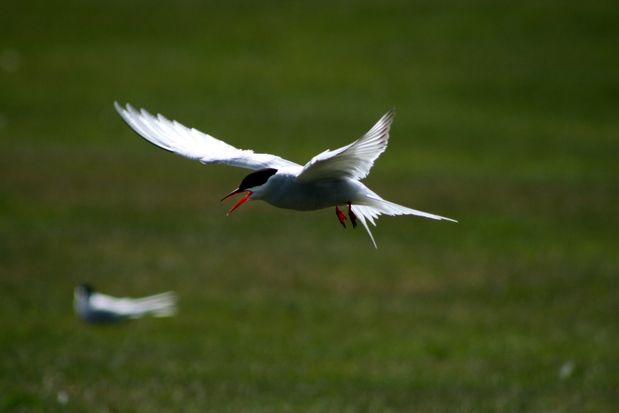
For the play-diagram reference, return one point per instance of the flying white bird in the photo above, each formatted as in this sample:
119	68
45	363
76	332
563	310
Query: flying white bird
95	307
329	179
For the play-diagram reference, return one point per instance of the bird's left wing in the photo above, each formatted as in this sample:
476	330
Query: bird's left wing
159	305
354	160
193	144
104	302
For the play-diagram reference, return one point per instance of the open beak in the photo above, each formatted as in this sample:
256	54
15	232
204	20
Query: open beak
241	201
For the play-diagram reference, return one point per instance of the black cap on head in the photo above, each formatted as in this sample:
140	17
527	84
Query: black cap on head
87	288
256	178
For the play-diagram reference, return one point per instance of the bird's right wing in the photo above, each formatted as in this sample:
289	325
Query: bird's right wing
193	144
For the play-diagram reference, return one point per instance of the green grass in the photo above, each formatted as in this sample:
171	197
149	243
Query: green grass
507	121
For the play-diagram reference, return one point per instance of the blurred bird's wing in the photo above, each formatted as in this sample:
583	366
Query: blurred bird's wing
104	302
193	144
354	160
160	305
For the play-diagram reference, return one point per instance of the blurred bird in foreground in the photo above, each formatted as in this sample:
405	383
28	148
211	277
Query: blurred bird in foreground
95	307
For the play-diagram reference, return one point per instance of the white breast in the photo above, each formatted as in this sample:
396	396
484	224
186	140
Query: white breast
286	191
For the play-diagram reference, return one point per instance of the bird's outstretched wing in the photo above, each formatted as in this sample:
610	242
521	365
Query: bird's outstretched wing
193	144
354	160
160	305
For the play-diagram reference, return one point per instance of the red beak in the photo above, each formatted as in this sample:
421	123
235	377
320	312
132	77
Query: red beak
241	201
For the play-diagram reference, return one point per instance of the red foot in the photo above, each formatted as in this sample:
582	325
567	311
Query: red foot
341	216
353	217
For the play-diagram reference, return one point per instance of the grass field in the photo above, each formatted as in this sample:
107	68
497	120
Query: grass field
507	120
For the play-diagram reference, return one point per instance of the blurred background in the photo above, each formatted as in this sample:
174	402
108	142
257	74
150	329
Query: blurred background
507	120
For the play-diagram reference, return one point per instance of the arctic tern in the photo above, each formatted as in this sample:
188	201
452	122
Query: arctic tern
95	307
330	179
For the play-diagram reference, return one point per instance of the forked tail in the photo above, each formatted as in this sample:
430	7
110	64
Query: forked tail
374	206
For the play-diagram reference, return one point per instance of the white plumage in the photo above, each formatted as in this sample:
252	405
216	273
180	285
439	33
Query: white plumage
329	179
96	307
193	144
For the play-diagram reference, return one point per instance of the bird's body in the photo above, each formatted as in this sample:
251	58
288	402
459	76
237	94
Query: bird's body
95	307
284	190
330	179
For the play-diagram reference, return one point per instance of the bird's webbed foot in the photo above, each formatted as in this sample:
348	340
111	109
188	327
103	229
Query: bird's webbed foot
353	217
340	216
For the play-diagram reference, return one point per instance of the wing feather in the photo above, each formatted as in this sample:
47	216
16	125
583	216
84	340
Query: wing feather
161	305
193	144
354	160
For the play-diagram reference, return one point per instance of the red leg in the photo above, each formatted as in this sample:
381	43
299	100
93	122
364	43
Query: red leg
353	217
340	216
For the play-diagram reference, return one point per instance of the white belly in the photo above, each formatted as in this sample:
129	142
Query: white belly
286	192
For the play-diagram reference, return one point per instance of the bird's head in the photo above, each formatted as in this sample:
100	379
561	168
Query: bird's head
250	184
83	292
